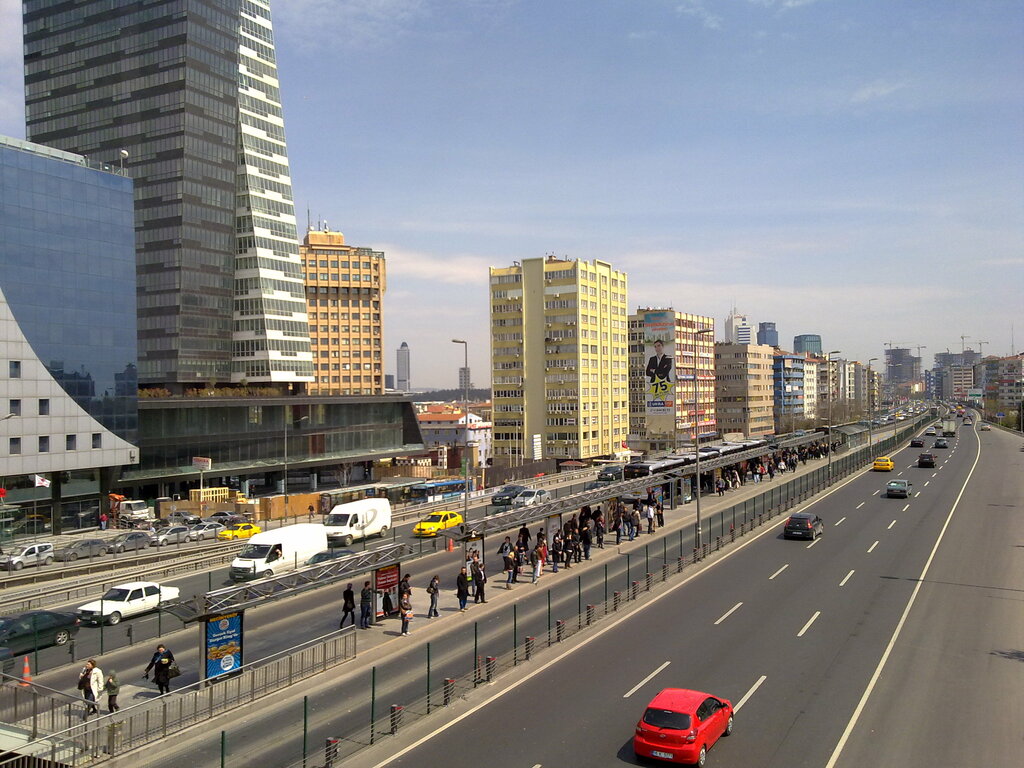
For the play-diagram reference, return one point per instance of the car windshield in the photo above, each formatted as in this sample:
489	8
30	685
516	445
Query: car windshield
432	519
162	531
118	594
254	551
339	519
236	527
527	494
666	718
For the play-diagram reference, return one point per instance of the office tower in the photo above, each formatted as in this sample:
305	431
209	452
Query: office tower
389	381
558	360
901	367
185	96
465	380
737	329
766	334
402	371
345	289
744	390
69	403
807	344
662	413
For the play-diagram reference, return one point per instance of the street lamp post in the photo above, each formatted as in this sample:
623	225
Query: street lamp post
696	429
871	411
828	449
286	422
465	428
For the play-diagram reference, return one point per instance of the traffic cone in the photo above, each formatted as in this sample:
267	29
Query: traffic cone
26	675
449	547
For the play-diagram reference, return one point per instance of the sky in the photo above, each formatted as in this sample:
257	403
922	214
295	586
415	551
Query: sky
851	168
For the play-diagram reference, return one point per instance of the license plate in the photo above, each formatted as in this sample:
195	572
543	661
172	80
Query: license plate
663	755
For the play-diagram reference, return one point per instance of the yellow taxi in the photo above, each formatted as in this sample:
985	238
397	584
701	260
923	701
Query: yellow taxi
239	531
436	522
883	464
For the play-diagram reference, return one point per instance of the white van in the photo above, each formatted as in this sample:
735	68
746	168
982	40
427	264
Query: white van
358	520
278	551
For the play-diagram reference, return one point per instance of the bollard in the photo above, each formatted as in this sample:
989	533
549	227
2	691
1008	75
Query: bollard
71	648
648	582
449	690
396	718
664	572
634	590
679	564
489	664
590	615
616	599
528	647
131	634
559	630
696	554
732	534
718	543
331	751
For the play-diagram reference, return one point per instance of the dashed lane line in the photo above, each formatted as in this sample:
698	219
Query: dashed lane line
643	682
871	548
813	543
840	520
861	504
906	507
778	571
727	614
891	525
746	696
808	624
846	578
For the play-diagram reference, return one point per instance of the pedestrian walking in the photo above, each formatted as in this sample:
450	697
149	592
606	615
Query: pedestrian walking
634	524
348	606
508	564
433	588
568	546
462	589
585	540
365	605
479	574
405	588
650	518
90	683
659	512
536	562
405	605
161	664
311	511
556	550
112	687
617	527
103	521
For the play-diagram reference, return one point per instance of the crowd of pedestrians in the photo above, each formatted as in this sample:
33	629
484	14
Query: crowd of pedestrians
93	683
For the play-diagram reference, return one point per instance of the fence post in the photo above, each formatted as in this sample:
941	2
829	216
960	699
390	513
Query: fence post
679	564
616	597
373	699
634	590
528	647
428	678
648	582
489	664
305	729
396	718
559	630
606	588
549	618
590	615
223	749
330	751
476	655
449	689
579	602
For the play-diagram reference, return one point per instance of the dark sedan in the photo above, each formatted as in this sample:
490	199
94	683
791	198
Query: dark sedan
917	442
36	629
81	549
505	496
926	461
803	525
135	540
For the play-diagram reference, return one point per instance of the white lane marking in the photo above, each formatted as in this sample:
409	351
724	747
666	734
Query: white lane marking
899	626
748	694
899	473
727	614
643	682
918	493
813	543
873	493
840	520
934	474
809	622
872	547
906	507
778	571
926	482
845	579
860	505
891	525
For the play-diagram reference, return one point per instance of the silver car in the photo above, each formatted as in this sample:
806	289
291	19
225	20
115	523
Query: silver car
27	554
204	531
174	534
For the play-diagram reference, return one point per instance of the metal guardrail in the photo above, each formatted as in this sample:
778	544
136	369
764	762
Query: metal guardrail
107	736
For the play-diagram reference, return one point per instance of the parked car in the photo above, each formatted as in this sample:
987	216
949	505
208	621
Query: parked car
680	726
126	600
506	495
926	461
201	531
37	629
941	442
898	489
803	525
917	442
174	534
82	548
182	518
436	522
225	518
40	553
883	464
239	531
329	554
531	496
133	540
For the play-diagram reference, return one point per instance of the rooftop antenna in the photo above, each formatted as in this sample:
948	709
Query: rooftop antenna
309	220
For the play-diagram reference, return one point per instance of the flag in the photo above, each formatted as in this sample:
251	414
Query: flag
41	482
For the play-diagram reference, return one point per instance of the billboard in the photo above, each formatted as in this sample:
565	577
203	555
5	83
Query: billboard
660	372
222	646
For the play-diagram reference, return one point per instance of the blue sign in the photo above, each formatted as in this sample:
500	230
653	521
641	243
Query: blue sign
1000	415
223	644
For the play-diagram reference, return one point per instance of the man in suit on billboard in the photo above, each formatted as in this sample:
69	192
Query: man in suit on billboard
659	366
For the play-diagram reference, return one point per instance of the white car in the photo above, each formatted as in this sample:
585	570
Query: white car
126	600
531	496
27	554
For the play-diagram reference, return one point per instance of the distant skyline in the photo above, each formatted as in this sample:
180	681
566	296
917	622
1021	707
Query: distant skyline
849	169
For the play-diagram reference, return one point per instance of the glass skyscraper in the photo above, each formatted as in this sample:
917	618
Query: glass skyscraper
807	343
184	95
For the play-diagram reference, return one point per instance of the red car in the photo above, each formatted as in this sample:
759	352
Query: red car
680	726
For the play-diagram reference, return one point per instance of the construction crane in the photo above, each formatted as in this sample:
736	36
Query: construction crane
891	344
981	346
963	344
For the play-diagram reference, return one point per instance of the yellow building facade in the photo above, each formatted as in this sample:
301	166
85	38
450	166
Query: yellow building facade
559	370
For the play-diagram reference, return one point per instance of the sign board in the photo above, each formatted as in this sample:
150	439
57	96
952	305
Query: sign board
202	463
975	394
1000	415
222	644
385	590
660	372
538	452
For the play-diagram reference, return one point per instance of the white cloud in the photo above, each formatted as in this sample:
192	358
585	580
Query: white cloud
12	92
879	89
696	9
431	269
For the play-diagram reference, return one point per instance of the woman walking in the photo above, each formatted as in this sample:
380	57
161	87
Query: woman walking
161	666
90	683
433	588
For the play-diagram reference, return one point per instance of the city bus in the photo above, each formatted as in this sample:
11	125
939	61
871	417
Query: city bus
436	490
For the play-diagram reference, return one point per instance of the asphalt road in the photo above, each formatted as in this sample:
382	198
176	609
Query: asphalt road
796	631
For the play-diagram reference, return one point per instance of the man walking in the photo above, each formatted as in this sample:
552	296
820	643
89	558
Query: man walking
433	588
479	580
348	606
365	604
462	589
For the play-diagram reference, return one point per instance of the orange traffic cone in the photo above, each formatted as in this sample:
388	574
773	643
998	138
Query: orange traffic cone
26	675
450	547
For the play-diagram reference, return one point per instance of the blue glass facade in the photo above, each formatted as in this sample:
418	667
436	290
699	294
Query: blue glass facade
67	270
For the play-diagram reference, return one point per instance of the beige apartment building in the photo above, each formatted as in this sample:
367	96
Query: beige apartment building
744	389
559	377
662	413
345	295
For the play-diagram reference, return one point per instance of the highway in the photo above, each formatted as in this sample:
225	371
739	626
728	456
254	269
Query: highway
796	631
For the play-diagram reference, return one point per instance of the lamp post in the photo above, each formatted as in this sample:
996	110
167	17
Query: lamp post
871	410
286	422
696	428
828	359
465	429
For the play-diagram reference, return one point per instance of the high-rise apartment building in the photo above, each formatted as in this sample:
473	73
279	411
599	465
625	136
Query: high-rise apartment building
767	334
665	355
788	379
738	330
901	367
345	289
559	334
402	370
811	366
807	343
184	95
744	390
465	378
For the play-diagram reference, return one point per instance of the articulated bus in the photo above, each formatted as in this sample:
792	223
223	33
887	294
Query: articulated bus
436	490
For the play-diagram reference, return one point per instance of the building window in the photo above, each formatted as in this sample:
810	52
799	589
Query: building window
15	446
97	440
44	444
70	442
14	407
14	369
44	406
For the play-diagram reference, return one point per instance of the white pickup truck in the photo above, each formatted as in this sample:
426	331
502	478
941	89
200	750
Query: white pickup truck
126	600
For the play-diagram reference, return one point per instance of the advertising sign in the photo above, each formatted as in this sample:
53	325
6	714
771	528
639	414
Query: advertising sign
660	372
202	463
385	588
222	646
